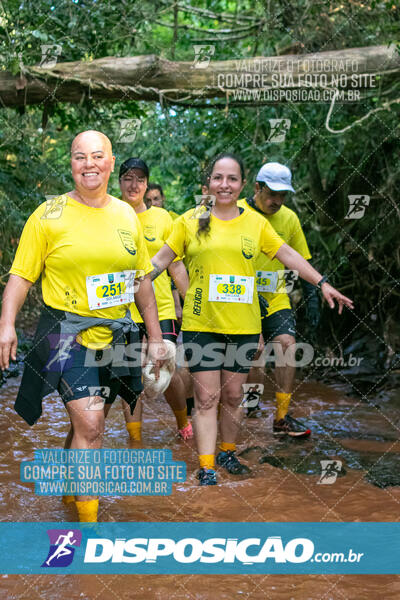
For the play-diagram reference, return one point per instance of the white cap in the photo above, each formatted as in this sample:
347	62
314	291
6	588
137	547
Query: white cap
276	176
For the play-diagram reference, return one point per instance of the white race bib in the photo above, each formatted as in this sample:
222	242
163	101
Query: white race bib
110	289
231	288
267	281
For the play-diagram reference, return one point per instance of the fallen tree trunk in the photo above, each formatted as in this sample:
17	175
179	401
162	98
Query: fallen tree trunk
154	78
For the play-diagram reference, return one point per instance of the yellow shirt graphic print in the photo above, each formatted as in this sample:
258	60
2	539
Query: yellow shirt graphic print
66	242
230	250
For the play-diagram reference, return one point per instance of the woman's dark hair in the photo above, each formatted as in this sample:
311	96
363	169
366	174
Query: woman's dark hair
204	221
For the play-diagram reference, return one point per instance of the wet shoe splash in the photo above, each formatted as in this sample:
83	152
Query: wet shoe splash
229	461
290	426
207	477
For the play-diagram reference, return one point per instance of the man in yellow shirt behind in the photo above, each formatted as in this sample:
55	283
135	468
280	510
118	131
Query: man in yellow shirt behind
273	181
155	197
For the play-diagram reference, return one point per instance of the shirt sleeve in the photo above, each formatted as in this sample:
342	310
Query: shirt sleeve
32	250
177	238
143	259
270	240
298	240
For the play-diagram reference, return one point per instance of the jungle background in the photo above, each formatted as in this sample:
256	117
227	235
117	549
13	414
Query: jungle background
177	139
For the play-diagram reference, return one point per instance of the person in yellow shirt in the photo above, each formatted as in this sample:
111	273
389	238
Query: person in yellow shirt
221	321
89	249
157	226
155	197
273	181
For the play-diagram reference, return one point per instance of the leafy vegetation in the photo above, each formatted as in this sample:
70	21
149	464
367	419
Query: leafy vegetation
360	255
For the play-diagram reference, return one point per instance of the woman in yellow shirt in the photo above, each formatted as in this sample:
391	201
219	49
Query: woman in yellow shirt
221	316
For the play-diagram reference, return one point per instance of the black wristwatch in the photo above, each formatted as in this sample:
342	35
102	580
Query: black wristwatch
323	280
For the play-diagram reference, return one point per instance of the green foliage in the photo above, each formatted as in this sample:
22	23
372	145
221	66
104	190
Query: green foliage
361	255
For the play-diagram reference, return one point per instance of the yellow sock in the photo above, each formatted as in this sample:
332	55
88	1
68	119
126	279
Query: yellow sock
135	431
68	499
224	446
207	461
282	405
87	510
181	417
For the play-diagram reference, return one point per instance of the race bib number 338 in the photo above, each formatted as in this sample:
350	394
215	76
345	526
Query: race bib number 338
231	288
110	289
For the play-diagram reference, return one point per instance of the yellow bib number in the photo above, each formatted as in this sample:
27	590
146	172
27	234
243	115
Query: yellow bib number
231	288
112	289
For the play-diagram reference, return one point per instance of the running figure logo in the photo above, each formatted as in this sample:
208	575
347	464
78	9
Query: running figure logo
62	547
128	130
50	54
204	204
357	206
251	394
286	281
279	129
202	55
330	471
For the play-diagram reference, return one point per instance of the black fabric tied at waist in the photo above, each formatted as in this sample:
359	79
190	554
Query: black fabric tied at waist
54	338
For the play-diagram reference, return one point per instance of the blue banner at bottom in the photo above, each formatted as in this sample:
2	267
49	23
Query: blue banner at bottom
194	548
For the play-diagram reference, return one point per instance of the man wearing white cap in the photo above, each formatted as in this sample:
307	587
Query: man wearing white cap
273	181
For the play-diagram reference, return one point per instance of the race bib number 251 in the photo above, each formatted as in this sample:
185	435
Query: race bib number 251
110	289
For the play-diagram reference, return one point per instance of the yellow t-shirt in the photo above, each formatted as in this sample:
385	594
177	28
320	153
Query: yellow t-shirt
286	223
230	248
157	226
173	214
66	241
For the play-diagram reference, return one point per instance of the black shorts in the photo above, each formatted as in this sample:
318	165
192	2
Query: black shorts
169	329
80	381
280	322
207	351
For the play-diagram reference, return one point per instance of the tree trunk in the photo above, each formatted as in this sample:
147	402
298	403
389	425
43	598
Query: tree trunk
153	78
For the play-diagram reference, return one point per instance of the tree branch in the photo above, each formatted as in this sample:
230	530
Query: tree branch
153	78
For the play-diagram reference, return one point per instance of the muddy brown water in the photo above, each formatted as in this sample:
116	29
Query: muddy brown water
282	487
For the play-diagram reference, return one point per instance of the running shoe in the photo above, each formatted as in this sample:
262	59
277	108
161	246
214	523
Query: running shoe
186	432
254	412
290	426
229	461
207	477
